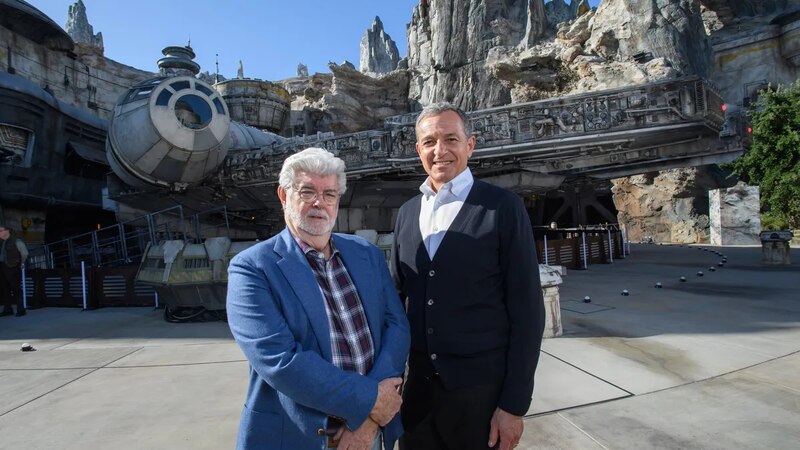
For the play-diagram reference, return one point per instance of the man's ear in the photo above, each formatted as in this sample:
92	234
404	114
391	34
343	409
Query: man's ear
471	141
282	195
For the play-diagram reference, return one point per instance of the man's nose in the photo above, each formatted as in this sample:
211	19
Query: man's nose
439	149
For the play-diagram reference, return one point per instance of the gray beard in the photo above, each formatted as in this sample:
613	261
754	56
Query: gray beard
303	224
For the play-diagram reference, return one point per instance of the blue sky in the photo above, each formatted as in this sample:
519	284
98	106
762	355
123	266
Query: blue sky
270	37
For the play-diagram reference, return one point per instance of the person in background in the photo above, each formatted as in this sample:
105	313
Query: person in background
465	262
317	316
13	254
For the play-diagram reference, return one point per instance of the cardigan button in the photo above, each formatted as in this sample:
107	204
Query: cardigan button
321	432
430	330
432	273
430	302
433	356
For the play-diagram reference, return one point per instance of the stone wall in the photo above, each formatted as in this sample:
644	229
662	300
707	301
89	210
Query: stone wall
735	215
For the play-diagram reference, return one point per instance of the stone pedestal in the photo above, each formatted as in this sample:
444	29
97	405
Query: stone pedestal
776	253
551	279
734	215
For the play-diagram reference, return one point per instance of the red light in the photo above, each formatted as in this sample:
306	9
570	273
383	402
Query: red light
749	130
724	108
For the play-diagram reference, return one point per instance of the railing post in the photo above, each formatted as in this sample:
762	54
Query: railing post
83	283
546	260
610	248
72	262
227	225
95	250
151	228
182	227
24	288
585	252
196	221
123	243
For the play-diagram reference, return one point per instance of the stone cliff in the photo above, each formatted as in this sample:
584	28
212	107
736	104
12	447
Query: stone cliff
479	54
449	42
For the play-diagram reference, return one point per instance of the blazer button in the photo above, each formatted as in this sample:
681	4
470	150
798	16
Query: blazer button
432	273
433	356
321	432
430	302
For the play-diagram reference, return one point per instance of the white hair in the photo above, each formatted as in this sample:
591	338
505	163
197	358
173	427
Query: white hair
313	160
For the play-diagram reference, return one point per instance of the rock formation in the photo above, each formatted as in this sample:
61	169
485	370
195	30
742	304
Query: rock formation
558	11
668	206
449	42
346	100
727	11
493	53
669	29
79	29
378	53
302	70
735	216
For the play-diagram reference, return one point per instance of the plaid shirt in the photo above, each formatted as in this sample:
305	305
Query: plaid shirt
351	340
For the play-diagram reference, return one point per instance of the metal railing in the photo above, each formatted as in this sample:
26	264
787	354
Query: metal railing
125	242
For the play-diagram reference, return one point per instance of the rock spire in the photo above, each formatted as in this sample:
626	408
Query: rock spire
78	26
379	53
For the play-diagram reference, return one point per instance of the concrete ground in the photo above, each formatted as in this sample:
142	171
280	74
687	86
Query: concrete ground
710	363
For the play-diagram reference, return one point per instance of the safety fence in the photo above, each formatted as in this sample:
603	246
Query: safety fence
576	248
86	287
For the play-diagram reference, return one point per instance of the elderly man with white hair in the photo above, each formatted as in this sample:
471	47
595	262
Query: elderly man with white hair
317	315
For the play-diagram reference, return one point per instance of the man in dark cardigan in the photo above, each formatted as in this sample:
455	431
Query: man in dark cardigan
464	261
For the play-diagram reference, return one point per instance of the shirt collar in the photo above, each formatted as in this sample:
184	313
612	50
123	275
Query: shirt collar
308	249
457	186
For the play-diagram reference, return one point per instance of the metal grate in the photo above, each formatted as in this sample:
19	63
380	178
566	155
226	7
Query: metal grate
53	287
144	290
29	287
565	255
196	263
76	287
114	286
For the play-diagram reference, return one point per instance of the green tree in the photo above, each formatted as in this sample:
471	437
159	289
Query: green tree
773	161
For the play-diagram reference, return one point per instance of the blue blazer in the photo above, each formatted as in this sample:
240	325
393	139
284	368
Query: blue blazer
276	312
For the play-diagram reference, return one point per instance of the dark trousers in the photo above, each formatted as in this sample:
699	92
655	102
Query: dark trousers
435	418
11	286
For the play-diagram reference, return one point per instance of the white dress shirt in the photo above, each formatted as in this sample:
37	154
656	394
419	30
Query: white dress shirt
438	209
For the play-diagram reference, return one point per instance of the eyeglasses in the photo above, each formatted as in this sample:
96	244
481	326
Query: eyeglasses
310	196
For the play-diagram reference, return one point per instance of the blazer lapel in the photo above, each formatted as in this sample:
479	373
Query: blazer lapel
298	274
356	261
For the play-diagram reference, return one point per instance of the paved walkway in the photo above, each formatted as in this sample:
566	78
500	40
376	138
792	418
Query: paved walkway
710	363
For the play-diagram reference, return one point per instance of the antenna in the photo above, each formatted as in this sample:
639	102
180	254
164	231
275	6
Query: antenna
216	74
